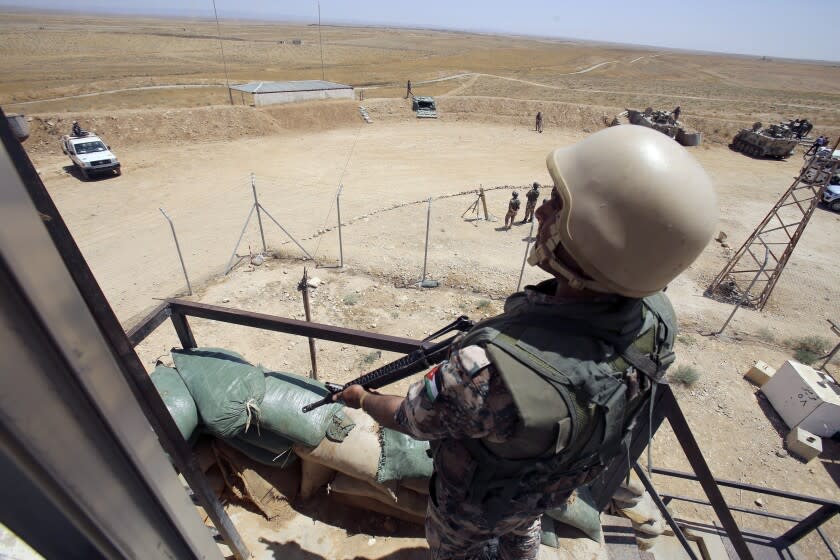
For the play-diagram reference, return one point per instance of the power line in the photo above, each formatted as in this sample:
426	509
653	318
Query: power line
222	48
320	41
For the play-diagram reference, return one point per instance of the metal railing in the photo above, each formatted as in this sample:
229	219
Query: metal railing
802	525
665	408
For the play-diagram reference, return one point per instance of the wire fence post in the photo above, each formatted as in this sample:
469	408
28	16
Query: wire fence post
304	287
525	258
340	243
178	248
426	250
258	207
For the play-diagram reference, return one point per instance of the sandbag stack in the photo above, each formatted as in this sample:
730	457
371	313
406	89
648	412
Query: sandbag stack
256	412
372	464
177	399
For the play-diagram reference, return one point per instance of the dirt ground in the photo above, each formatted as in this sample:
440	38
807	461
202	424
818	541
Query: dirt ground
196	162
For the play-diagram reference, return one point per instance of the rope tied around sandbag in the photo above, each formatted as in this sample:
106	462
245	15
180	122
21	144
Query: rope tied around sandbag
252	409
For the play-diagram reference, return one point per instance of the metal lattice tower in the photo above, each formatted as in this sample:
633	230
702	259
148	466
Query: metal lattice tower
776	236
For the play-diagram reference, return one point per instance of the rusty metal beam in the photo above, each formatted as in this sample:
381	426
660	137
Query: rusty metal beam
148	324
293	326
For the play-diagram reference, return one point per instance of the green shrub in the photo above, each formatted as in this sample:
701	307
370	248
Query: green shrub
483	305
684	375
765	335
351	299
809	349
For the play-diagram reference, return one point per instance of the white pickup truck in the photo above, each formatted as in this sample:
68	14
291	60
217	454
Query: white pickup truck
90	155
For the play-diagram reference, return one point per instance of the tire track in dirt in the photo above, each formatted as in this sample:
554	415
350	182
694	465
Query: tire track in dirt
121	90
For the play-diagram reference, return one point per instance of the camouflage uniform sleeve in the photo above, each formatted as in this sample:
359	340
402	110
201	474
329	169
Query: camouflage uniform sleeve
463	397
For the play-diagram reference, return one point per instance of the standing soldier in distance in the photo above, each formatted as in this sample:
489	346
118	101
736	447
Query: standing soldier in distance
676	114
513	208
408	92
531	205
538	123
533	402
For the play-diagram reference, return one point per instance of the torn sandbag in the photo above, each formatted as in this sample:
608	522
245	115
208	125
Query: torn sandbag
579	512
402	457
227	390
177	399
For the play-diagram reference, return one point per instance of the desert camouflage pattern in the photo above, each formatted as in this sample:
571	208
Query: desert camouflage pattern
470	400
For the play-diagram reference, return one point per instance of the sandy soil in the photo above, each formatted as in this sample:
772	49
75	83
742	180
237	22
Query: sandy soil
196	163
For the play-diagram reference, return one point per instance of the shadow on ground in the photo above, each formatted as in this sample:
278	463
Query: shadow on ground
293	551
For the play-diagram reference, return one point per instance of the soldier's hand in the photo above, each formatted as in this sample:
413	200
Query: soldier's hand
351	396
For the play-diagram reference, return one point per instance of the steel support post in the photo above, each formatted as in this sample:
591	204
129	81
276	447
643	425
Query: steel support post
258	207
178	248
426	249
810	523
340	243
304	287
667	514
704	475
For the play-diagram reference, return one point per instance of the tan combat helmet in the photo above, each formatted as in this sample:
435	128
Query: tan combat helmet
637	210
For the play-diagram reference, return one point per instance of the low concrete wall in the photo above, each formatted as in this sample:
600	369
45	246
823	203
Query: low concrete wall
263	99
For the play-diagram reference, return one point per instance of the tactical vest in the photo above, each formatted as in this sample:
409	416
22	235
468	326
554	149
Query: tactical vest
514	204
569	380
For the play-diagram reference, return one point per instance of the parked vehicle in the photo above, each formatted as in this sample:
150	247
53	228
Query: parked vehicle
831	196
90	155
425	107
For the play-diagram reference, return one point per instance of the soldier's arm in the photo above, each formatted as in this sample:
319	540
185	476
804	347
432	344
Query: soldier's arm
382	408
461	398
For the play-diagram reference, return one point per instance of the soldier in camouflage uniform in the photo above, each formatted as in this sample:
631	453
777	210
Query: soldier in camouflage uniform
513	208
531	196
532	403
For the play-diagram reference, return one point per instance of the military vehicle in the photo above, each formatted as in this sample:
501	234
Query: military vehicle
424	107
663	121
19	125
777	141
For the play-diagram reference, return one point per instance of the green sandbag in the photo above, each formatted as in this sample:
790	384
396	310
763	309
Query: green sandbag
263	456
177	399
402	457
285	395
266	439
227	390
548	535
580	512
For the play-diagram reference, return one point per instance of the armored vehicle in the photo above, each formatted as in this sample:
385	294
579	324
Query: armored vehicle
663	121
424	107
777	140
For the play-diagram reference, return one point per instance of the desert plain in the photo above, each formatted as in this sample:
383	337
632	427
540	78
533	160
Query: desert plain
155	90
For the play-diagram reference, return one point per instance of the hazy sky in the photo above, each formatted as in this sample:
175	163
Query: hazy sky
779	28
